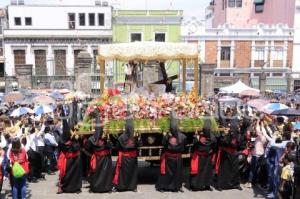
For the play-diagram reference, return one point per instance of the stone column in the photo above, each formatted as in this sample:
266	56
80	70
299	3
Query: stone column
252	53
285	49
70	61
83	72
232	55
262	82
24	75
219	54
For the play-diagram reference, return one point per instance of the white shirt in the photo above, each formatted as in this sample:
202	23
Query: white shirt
3	142
50	139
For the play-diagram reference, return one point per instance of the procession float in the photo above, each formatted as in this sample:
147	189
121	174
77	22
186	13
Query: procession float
149	109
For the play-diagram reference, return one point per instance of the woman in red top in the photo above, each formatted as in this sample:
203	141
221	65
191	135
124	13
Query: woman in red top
18	154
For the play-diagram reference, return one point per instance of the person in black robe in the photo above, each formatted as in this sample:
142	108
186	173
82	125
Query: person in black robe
101	163
227	162
69	161
171	165
126	173
202	168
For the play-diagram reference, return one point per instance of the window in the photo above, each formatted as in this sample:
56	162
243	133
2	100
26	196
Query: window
72	21
100	19
91	19
18	21
277	74
224	74
81	19
28	21
278	54
40	62
231	3
224	4
60	62
239	3
135	37
259	8
259	53
19	56
160	37
225	53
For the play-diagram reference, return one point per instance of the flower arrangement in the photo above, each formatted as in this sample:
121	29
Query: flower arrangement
150	114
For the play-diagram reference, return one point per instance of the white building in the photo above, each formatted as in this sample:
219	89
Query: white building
49	37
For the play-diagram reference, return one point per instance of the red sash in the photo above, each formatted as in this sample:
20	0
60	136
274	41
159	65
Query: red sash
130	154
94	159
163	157
218	161
62	161
195	161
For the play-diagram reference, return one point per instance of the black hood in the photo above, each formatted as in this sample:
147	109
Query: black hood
174	124
207	128
98	129
129	129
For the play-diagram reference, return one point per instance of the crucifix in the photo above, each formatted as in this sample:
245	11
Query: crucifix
167	81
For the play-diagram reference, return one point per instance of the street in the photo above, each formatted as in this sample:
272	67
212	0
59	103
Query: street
146	189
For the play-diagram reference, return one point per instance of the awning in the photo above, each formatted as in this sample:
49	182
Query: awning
147	51
259	1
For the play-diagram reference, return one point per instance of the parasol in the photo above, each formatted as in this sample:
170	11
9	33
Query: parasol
57	95
297	126
41	109
287	112
21	111
258	103
269	108
43	100
13	97
252	93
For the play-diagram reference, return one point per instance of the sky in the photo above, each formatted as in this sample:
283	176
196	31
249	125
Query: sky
191	8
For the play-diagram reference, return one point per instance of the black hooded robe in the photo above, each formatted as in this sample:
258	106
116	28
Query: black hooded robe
202	167
171	165
69	162
227	163
126	173
101	172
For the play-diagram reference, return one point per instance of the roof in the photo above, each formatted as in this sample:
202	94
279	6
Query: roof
147	51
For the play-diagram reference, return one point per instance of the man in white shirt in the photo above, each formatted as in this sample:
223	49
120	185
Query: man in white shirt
50	146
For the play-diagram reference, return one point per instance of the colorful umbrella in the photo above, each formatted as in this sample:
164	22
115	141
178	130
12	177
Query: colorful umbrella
13	97
258	103
41	109
43	100
287	112
21	111
252	93
57	95
269	108
297	125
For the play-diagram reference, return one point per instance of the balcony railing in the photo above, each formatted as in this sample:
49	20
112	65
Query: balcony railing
225	64
57	81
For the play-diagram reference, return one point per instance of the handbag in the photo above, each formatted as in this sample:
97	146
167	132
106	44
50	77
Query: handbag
17	170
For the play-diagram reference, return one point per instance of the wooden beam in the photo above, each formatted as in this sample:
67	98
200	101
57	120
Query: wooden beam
102	75
196	75
184	76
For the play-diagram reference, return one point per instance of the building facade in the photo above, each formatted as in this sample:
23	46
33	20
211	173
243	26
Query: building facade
248	13
2	26
50	37
146	25
244	53
296	59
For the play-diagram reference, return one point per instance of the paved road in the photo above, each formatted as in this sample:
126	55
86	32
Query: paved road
147	178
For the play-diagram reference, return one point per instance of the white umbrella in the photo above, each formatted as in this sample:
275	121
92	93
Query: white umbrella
38	110
21	111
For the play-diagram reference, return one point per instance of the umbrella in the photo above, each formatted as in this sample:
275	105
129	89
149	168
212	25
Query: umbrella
21	111
26	101
70	96
258	103
38	110
287	112
253	93
297	125
57	95
13	97
43	100
229	99
269	108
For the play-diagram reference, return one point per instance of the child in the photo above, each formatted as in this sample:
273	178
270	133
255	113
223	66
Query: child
286	180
